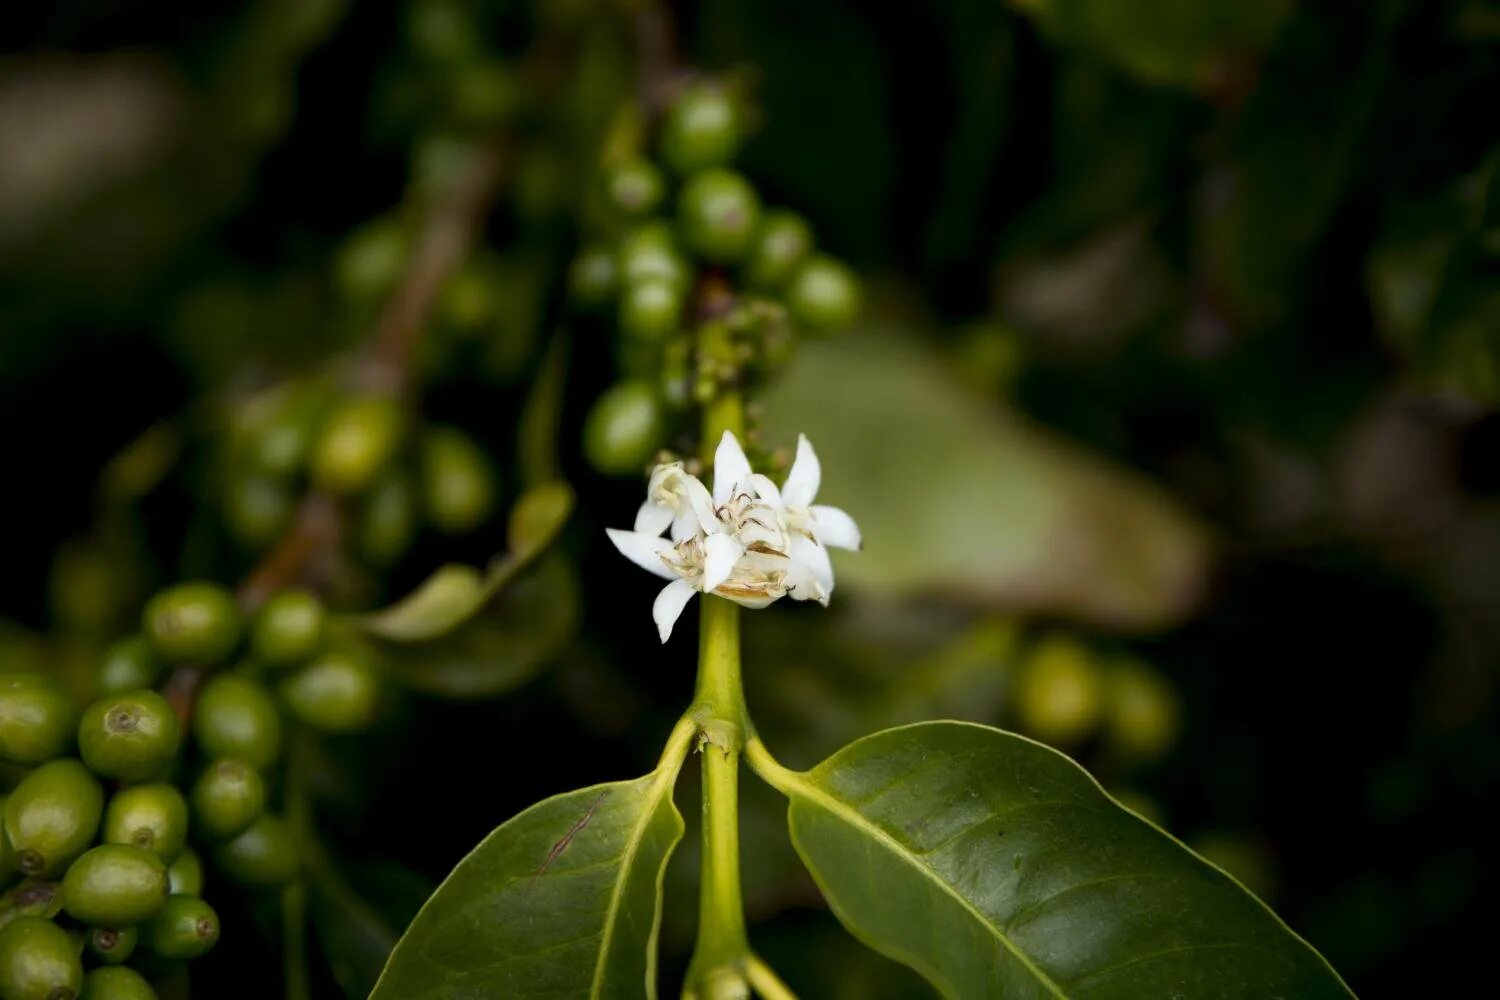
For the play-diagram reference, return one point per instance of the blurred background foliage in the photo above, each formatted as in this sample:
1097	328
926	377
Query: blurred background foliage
1171	425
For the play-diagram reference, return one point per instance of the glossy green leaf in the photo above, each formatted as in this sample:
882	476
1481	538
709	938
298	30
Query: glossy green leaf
455	593
996	867
564	900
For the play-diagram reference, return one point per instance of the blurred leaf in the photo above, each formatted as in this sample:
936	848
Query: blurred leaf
959	497
562	900
1177	42
976	857
455	593
358	933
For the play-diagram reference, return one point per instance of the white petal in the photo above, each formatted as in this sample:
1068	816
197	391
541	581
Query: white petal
836	528
731	467
812	572
702	505
765	489
669	604
721	552
645	551
685	525
802	482
652	518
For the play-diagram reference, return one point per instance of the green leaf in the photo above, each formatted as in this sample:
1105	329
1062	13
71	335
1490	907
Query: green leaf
563	900
455	593
997	867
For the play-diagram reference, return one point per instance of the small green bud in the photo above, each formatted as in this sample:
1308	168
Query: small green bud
651	309
257	509
288	628
227	797
38	961
338	692
52	816
824	295
236	717
111	945
185	875
185	927
151	817
132	736
781	244
192	623
593	276
701	130
624	429
650	251
718	213
358	441
115	885
263	855
116	983
130	664
458	482
635	187
37	719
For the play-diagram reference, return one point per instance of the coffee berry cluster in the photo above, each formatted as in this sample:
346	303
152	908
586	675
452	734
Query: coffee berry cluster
708	286
178	759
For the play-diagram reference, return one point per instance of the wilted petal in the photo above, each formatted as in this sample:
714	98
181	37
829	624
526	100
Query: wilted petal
811	572
802	482
669	604
653	518
646	551
731	467
836	528
720	553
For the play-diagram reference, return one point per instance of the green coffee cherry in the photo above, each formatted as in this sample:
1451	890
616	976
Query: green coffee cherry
185	927
38	961
236	717
264	855
388	518
288	628
37	719
624	429
824	295
227	797
131	736
718	213
192	623
111	945
701	130
185	875
651	309
370	260
458	483
635	187
356	444
1142	715
257	509
338	692
130	664
781	244
650	251
593	277
115	885
1060	695
151	817
116	983
52	816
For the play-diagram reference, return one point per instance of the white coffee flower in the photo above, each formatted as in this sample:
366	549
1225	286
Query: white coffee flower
746	541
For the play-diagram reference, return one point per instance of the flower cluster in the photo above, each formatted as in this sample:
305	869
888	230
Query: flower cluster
746	541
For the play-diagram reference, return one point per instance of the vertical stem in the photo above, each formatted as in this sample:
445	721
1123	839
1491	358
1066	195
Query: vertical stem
294	896
719	709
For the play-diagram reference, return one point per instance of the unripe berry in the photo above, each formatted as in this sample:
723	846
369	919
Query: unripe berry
227	797
356	444
185	927
650	251
1059	697
781	244
824	295
370	259
52	816
115	885
151	817
263	855
236	717
717	213
192	623
111	945
635	187
1142	713
624	429
132	736
650	309
257	509
116	983
130	664
337	692
288	628
593	276
37	719
458	483
388	518
185	875
38	961
701	130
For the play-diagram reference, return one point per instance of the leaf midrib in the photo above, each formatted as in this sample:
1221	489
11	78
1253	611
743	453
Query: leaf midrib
853	817
627	858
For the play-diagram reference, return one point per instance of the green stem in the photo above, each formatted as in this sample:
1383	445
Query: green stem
765	982
294	896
